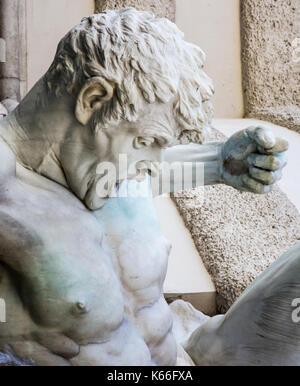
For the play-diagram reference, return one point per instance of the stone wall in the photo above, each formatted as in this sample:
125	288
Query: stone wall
160	8
13	72
271	76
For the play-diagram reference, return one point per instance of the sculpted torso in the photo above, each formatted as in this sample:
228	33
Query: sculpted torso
73	299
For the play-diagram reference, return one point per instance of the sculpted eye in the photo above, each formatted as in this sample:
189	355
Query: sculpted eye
140	142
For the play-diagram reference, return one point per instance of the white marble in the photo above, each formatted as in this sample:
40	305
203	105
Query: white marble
261	328
82	264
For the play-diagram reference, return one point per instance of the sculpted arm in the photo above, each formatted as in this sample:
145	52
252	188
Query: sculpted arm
206	159
251	160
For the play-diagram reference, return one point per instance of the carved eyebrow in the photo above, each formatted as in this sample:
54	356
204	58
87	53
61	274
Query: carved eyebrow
159	124
165	137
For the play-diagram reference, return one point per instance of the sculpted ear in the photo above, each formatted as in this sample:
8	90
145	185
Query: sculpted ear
95	92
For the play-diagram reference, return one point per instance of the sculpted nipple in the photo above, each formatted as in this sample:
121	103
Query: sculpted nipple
80	307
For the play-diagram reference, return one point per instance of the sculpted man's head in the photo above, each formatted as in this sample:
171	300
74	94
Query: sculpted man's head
122	82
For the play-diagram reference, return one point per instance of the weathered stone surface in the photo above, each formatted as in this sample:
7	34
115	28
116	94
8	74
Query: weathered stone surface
270	73
238	235
13	72
160	8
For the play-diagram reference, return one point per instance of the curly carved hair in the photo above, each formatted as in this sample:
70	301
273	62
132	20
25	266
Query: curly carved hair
143	57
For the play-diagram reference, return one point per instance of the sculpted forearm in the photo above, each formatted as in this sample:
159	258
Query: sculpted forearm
251	160
201	165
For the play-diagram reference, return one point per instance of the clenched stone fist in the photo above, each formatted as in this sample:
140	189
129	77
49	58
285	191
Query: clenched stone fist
253	159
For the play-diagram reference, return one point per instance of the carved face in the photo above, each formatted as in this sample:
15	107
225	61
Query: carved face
86	152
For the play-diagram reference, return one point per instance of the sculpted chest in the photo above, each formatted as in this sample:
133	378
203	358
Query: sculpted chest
82	276
58	251
53	249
